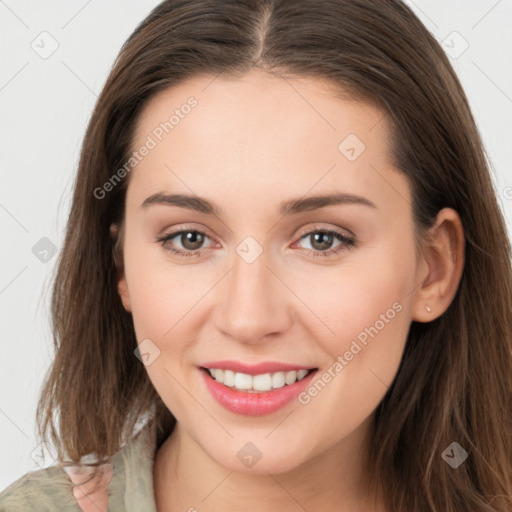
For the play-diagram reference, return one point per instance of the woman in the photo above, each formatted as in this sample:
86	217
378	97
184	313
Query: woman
286	280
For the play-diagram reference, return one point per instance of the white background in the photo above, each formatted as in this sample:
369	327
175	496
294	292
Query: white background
44	107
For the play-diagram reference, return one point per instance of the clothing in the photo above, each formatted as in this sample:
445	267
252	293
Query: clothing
126	484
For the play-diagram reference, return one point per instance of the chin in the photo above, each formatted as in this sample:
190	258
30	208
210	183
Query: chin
247	457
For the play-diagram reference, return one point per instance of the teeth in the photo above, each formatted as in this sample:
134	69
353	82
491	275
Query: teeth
242	381
278	380
261	382
301	374
229	378
290	377
256	383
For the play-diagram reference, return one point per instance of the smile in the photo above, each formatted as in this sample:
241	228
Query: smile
256	383
257	394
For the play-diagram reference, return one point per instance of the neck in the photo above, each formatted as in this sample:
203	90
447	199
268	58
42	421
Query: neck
186	478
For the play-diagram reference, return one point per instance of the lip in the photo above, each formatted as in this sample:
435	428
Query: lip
255	369
254	404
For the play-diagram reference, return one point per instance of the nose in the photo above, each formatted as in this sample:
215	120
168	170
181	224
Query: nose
253	301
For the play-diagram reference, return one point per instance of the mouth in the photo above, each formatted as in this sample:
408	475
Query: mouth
255	393
259	383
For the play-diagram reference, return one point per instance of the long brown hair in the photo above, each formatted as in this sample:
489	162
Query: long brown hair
454	381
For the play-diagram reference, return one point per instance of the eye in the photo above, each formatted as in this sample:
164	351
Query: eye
321	242
191	241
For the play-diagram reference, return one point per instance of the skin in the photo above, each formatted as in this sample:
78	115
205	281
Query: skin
249	144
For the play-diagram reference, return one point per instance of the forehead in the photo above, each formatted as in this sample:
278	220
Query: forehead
262	136
261	104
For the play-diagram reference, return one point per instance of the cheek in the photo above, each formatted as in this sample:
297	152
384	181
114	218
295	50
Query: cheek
364	299
165	302
369	310
161	292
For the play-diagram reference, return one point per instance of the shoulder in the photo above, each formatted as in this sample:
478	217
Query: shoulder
44	490
127	479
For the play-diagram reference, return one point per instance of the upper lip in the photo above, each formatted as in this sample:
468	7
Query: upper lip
255	369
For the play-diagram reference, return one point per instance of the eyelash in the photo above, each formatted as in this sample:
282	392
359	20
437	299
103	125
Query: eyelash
348	242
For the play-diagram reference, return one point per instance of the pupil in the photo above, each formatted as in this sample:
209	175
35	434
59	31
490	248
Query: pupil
192	238
318	238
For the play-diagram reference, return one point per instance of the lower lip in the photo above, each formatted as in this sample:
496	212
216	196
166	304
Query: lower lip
255	404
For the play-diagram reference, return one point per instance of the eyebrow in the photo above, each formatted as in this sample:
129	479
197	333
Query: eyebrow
292	206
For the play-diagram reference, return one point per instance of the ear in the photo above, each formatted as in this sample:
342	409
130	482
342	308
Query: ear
122	286
441	266
122	289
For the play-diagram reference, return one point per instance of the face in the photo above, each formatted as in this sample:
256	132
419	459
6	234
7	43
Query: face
265	273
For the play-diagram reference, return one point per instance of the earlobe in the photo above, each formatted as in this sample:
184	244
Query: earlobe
116	235
122	289
442	264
